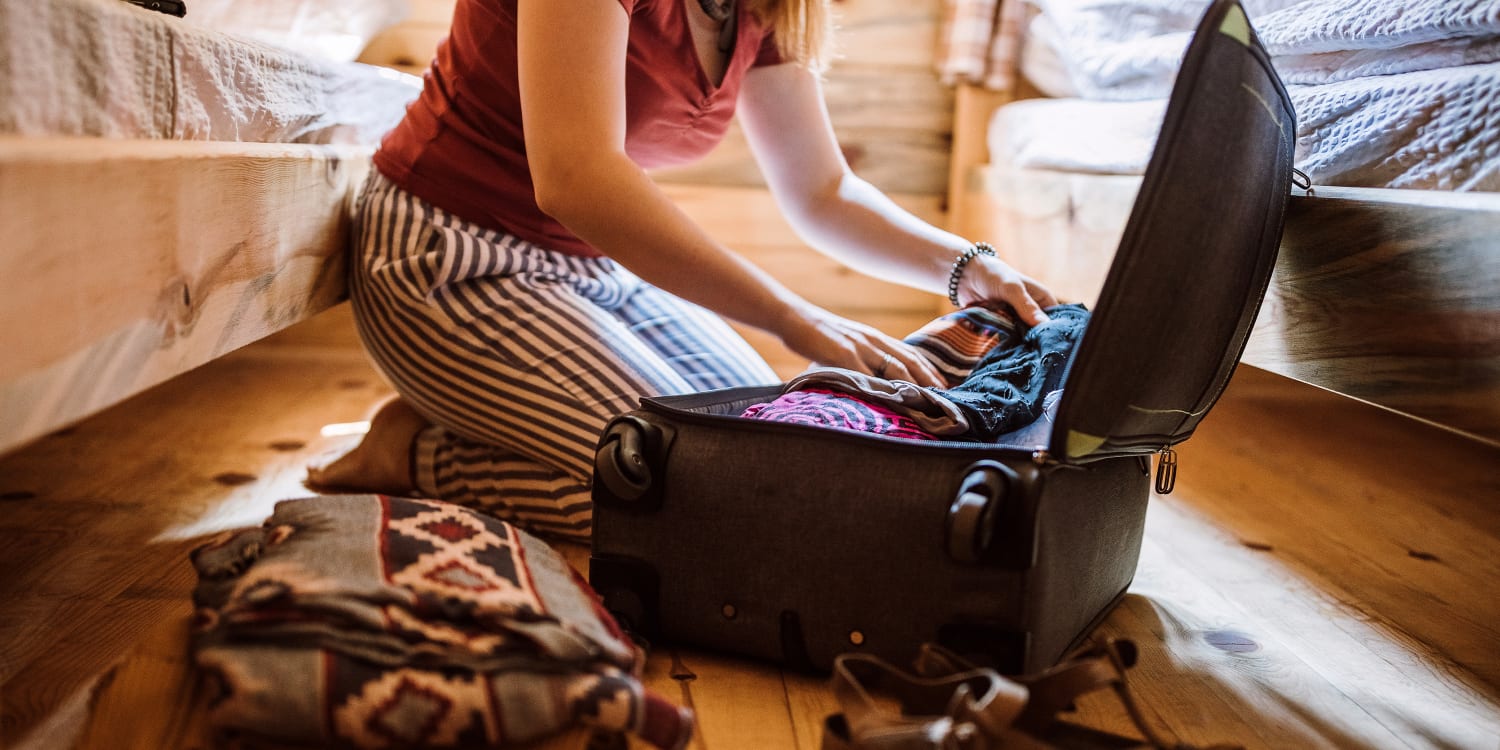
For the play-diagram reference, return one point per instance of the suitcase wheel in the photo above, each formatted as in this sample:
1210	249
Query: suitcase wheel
620	463
971	518
629	589
626	607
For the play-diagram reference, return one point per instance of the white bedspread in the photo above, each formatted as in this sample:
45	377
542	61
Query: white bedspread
1313	26
1118	49
1344	65
1428	129
1388	93
1130	49
1435	129
1319	41
334	29
107	68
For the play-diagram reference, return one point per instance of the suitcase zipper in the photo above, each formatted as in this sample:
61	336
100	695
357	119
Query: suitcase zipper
1166	470
1166	466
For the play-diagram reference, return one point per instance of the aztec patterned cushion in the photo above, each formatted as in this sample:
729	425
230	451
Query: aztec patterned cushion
380	622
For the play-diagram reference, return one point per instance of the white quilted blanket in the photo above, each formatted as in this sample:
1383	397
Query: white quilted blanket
1318	41
108	68
335	29
1314	26
1122	49
1388	93
1130	49
1435	129
1343	65
1428	129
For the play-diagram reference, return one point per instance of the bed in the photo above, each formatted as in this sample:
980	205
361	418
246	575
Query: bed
1388	284
171	191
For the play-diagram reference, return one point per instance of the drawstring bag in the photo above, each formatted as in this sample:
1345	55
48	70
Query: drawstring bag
382	622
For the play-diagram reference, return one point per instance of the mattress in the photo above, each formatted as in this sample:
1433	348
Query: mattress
1426	129
108	68
1076	135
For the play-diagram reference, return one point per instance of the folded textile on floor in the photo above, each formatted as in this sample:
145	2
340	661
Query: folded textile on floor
376	622
1003	378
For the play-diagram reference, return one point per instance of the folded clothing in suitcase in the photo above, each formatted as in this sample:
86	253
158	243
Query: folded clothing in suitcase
995	394
795	543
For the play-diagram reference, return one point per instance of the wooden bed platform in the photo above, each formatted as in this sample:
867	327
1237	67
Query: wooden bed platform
1322	577
145	259
1388	296
131	261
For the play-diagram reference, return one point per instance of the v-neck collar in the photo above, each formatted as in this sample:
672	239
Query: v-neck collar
706	85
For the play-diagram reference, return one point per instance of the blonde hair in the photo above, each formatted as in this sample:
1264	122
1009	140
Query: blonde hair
803	29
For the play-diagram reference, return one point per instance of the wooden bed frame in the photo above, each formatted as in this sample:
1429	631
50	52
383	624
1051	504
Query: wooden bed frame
1388	296
131	261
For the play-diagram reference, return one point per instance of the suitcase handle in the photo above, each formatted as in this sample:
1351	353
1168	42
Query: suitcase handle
972	517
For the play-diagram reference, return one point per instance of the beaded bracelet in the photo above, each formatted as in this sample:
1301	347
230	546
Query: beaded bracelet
974	251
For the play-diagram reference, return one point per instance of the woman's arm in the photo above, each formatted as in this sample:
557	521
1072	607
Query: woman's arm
786	121
572	83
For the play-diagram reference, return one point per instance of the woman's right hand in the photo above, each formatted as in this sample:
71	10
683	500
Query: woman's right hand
827	339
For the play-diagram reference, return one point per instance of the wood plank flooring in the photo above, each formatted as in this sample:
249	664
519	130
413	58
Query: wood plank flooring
1324	575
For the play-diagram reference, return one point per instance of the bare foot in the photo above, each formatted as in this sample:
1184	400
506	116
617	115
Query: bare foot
382	460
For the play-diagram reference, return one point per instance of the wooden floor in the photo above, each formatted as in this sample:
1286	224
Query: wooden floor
1325	575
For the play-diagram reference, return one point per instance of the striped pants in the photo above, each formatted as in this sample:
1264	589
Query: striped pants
518	355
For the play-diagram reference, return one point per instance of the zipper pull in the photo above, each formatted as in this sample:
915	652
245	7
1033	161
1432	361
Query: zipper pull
1166	470
1302	181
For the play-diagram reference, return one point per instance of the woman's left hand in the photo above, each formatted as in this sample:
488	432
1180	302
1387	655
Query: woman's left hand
989	279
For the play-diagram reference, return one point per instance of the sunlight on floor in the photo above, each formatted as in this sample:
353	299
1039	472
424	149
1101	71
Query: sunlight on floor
249	504
1192	588
340	429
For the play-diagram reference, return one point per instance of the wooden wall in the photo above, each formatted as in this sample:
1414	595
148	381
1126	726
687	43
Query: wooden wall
894	123
408	46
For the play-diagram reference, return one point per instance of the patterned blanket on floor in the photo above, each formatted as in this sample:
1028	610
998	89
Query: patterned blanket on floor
378	622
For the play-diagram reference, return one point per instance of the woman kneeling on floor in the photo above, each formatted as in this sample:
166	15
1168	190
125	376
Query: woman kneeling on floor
520	279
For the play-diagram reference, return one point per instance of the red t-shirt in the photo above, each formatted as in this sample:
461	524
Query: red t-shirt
460	146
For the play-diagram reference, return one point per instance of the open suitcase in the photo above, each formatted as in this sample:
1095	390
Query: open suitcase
795	543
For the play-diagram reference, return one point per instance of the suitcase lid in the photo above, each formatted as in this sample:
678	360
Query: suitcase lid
1196	256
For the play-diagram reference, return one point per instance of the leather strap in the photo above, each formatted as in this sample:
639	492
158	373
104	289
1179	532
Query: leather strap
950	704
968	710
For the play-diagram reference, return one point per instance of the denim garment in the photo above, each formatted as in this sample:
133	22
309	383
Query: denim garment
1005	391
